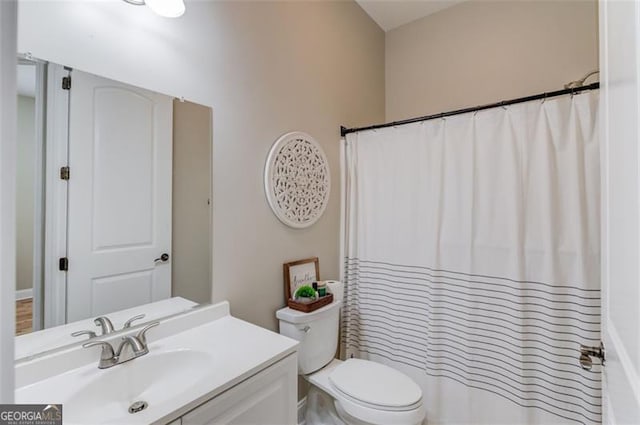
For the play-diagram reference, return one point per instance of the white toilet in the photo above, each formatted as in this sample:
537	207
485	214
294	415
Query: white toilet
363	392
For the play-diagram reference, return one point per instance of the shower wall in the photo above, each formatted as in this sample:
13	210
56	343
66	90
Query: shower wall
481	52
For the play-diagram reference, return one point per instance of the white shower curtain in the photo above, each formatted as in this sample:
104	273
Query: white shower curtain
472	259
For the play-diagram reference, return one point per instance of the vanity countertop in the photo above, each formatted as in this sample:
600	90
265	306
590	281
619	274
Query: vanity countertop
190	361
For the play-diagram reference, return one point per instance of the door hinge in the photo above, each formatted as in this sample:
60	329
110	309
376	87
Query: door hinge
66	83
64	173
63	264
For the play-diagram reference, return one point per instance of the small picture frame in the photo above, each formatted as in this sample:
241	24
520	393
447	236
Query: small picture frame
300	273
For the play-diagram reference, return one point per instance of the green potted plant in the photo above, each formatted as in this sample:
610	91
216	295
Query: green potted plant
305	294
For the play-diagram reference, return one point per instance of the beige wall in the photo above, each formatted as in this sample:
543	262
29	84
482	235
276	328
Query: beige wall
309	66
191	218
484	51
25	191
266	68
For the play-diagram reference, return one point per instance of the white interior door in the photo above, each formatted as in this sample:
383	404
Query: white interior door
619	55
120	148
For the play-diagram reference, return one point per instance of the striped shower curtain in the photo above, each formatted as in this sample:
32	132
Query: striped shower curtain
472	259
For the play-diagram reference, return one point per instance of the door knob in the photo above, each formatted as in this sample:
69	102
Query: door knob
586	352
163	258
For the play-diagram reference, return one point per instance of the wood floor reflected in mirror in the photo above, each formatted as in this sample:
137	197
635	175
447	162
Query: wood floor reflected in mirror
24	316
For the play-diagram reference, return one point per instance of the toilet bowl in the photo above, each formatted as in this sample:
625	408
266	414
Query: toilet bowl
364	392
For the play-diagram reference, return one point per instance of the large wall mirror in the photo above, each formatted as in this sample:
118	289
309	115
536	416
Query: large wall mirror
113	205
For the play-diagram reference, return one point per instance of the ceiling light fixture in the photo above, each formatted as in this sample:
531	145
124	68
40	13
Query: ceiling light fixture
166	8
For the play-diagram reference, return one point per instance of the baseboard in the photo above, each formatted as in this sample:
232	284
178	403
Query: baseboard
302	405
23	294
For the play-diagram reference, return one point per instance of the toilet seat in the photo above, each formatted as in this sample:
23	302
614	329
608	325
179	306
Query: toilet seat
343	396
375	386
366	415
364	411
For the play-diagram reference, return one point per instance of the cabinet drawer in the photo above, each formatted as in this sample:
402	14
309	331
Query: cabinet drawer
267	398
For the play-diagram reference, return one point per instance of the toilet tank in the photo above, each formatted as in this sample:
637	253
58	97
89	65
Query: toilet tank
317	332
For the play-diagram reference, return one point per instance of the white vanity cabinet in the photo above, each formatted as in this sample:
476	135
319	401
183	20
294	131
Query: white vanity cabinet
266	398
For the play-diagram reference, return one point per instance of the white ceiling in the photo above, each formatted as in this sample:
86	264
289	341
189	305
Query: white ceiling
390	14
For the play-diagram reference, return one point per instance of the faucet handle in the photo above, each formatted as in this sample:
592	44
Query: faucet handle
128	323
91	334
107	349
142	335
104	323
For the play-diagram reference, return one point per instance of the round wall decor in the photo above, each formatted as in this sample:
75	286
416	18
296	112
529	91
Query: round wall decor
297	180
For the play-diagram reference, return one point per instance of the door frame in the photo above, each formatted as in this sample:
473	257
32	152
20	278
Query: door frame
8	115
621	363
37	284
56	192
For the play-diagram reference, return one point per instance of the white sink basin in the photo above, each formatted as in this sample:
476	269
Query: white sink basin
109	393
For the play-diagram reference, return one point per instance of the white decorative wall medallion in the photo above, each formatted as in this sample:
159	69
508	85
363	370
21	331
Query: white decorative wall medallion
297	180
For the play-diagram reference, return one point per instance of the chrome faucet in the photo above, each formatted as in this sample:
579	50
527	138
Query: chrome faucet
130	348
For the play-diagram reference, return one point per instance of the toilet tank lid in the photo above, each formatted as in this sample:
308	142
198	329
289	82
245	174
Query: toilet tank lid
294	316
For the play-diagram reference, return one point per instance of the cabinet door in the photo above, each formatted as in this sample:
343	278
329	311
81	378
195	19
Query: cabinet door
267	398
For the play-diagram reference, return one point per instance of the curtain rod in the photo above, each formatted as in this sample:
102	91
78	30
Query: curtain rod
573	90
